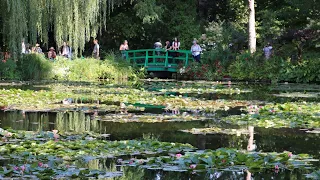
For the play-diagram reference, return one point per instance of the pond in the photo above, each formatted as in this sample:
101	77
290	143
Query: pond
161	130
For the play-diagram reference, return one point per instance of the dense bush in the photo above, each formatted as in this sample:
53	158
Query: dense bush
8	69
34	67
255	67
91	69
37	67
245	66
306	70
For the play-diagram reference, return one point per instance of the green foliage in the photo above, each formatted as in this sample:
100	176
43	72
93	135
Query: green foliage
306	70
292	115
225	35
148	11
50	157
34	67
225	159
91	69
269	26
8	69
181	24
73	20
255	67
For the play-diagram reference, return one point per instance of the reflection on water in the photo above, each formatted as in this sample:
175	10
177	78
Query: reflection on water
251	146
268	140
258	139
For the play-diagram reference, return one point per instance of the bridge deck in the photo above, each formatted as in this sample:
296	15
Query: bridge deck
159	60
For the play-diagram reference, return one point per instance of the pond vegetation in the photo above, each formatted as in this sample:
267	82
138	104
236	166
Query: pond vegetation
202	130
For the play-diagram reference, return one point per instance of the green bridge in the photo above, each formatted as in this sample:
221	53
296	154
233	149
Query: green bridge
159	60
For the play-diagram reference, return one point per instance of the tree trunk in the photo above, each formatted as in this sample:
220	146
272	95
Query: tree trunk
252	28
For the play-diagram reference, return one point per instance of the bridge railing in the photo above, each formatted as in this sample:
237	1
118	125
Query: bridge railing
159	59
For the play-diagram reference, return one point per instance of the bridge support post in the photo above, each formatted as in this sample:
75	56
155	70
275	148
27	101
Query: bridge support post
166	60
146	60
186	61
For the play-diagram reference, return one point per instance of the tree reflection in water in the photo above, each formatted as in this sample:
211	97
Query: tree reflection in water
251	146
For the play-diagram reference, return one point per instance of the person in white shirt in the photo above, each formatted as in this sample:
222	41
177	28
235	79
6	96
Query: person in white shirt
267	51
157	46
65	50
196	51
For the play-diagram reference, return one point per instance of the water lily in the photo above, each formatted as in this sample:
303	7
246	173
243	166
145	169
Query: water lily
4	139
119	160
56	136
40	164
178	156
55	131
223	161
276	167
16	168
8	134
193	166
141	161
23	168
290	154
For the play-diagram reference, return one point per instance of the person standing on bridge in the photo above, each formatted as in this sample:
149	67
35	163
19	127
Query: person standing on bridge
167	46
123	48
157	46
196	51
176	46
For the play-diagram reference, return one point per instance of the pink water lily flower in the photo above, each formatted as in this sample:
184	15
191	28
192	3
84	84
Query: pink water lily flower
141	161
193	166
55	131
276	167
16	168
40	164
290	154
56	136
8	134
178	156
23	168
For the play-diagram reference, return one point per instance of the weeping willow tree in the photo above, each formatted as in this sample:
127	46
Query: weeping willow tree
75	21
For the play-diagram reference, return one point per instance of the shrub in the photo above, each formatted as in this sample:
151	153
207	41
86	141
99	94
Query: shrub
8	69
306	70
34	67
112	69
255	67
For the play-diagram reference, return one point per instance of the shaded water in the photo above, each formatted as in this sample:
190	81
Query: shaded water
266	139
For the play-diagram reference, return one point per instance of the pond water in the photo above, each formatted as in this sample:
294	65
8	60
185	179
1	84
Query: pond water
161	123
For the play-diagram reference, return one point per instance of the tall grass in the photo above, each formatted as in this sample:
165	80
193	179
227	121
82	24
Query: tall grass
37	67
111	69
34	67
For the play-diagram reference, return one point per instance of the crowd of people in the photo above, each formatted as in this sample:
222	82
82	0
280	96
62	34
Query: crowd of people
169	46
64	51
